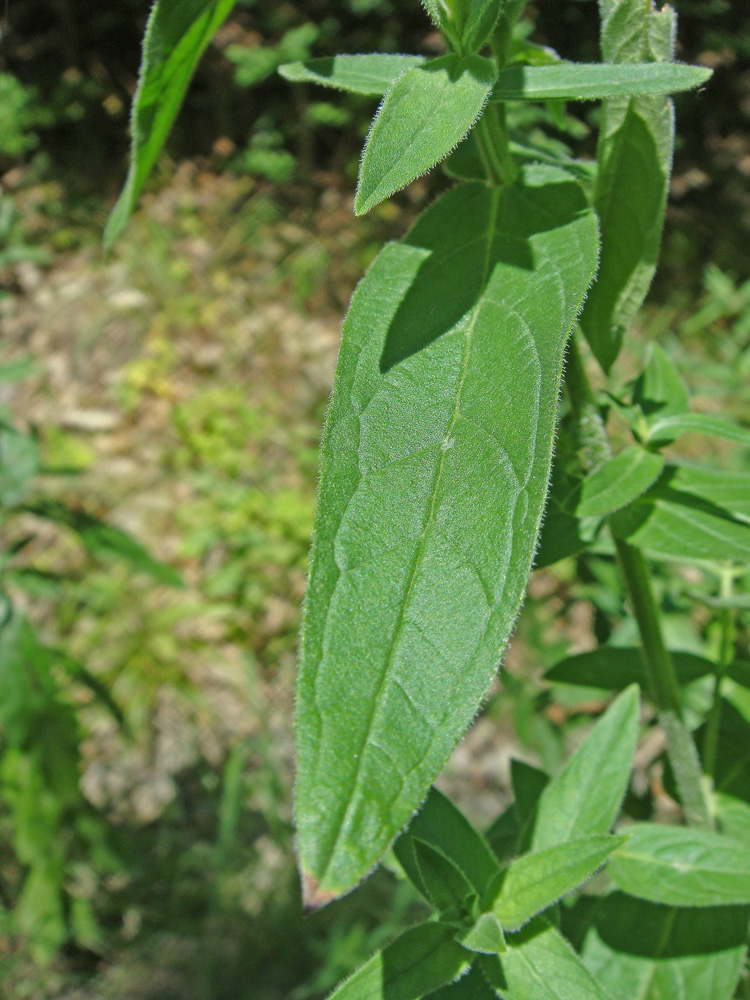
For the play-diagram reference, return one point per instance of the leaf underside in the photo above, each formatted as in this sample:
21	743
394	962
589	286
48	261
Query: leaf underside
435	463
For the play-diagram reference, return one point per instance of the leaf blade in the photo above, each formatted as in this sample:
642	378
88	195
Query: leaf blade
177	34
370	75
426	112
619	481
595	81
394	505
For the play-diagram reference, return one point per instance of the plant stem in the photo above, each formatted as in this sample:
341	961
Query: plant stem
492	143
726	654
662	680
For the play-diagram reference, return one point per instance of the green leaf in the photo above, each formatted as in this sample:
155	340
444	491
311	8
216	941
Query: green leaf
472	986
421	960
177	34
728	490
19	463
619	481
435	464
442	884
594	81
659	390
536	881
443	827
678	526
652	952
426	112
479	19
635	161
540	965
528	783
733	816
371	75
504	835
612	668
668	429
102	539
485	936
585	797
682	866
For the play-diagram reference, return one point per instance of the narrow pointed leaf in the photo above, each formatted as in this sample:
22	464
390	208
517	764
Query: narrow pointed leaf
619	481
504	835
585	797
670	428
435	464
485	936
682	866
536	881
371	74
427	111
635	161
528	783
612	668
443	827
594	81
177	34
423	959
441	882
677	526
652	952
540	965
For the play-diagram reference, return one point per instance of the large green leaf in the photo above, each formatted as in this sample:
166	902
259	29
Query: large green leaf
585	797
177	34
369	74
421	960
536	881
635	158
618	481
540	965
594	81
435	464
444	828
427	111
652	952
682	866
678	526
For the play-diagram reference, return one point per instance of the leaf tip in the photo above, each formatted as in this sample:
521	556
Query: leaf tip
313	895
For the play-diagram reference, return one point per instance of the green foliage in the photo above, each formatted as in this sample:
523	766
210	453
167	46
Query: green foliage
579	82
371	75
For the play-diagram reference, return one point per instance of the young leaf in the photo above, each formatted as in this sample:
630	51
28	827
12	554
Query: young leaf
479	19
435	463
485	936
371	74
177	34
421	960
678	526
612	668
540	965
102	539
442	884
653	952
669	429
682	866
426	112
659	390
725	489
536	881
594	81
443	827
504	835
585	797
635	160
619	481
528	783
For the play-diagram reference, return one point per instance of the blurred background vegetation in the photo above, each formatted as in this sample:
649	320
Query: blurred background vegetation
174	394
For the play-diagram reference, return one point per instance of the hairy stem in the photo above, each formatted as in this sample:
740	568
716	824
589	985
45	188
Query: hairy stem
662	680
726	654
